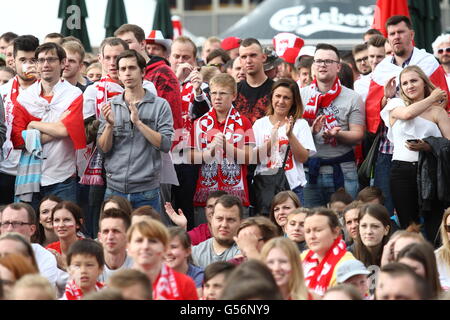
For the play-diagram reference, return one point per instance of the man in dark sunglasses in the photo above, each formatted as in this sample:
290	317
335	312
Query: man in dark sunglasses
441	48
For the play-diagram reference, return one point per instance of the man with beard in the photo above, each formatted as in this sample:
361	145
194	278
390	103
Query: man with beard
400	38
225	222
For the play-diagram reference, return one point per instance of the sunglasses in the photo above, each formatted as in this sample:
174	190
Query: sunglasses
441	51
447	228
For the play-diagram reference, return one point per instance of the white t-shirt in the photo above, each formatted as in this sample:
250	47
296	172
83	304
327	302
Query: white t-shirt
294	169
107	272
46	263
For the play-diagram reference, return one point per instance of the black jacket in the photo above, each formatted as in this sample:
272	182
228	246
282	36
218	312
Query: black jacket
433	174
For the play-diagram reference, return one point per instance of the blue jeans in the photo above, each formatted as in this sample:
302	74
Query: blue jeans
318	195
66	190
139	199
382	179
299	192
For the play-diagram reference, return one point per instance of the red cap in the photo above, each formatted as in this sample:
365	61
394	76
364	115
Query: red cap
290	55
230	43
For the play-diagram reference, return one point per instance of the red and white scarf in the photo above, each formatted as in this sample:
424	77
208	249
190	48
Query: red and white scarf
107	88
318	274
226	176
165	287
74	292
10	99
187	99
323	101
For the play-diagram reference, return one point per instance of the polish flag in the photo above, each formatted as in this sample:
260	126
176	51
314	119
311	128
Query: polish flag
384	9
386	70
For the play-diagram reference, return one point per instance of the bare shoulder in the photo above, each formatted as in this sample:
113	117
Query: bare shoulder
438	113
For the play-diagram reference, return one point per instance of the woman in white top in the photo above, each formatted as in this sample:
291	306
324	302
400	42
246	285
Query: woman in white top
284	126
443	253
420	113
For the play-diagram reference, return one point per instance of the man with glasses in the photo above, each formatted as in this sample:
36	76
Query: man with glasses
54	108
336	115
25	62
361	56
441	48
21	218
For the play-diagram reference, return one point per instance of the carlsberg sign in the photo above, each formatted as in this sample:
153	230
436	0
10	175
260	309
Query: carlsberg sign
298	20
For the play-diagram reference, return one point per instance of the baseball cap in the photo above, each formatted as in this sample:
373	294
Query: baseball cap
272	60
230	43
307	51
350	268
157	37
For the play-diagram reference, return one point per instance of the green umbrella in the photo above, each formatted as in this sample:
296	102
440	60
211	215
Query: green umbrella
116	16
426	20
163	19
74	14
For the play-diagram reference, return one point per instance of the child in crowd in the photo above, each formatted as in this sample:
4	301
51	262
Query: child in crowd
85	264
215	278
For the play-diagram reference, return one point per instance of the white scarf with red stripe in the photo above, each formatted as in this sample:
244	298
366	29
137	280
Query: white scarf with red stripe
323	101
74	292
64	94
386	70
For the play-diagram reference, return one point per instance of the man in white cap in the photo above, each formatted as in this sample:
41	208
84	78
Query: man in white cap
156	45
355	273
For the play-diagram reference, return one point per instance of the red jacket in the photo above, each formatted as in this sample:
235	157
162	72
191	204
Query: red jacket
159	72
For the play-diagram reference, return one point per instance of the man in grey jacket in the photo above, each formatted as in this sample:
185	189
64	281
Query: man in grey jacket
134	127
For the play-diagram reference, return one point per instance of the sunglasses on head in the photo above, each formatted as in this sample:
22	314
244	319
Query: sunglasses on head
447	228
441	51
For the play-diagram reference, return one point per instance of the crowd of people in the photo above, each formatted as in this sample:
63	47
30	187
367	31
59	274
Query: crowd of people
282	172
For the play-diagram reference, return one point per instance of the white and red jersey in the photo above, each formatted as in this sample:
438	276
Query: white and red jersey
9	93
386	69
59	154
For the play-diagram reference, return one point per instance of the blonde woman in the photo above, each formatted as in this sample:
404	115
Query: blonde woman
420	113
443	253
283	259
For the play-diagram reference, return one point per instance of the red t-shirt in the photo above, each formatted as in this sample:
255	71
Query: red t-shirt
199	234
55	246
